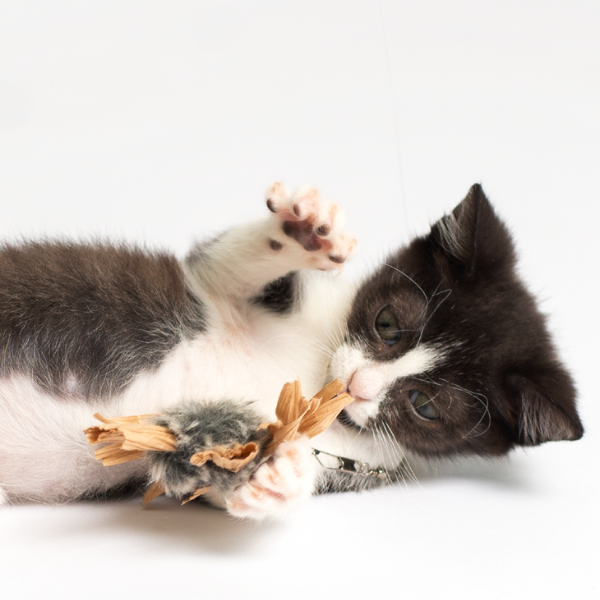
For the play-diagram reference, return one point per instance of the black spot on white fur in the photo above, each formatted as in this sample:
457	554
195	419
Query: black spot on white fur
281	295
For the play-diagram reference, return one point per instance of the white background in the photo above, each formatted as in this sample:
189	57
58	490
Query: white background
159	122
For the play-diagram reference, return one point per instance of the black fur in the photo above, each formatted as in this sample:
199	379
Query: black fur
281	295
500	382
85	319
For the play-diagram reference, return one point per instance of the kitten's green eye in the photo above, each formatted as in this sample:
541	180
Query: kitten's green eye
423	405
387	328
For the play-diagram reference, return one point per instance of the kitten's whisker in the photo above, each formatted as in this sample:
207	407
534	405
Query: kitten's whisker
403	464
379	443
448	294
392	447
483	400
409	278
426	379
336	335
336	338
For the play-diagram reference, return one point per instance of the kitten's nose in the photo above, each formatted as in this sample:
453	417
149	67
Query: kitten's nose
366	384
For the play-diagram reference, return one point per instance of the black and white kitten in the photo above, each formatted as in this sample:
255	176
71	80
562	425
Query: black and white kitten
442	348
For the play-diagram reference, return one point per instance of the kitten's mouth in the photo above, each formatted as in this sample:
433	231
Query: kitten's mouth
344	419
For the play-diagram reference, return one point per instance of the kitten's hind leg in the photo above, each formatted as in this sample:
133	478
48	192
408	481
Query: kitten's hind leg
199	427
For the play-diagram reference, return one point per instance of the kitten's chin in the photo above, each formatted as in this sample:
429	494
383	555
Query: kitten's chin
345	419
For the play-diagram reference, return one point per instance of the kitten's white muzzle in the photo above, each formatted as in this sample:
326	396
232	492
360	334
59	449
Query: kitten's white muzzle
368	381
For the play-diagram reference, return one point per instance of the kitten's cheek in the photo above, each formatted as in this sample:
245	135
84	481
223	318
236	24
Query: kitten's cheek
345	362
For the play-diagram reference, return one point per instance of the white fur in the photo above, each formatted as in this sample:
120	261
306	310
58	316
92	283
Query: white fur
44	455
283	482
247	353
250	363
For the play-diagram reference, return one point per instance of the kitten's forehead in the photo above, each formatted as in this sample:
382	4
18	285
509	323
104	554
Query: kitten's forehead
392	281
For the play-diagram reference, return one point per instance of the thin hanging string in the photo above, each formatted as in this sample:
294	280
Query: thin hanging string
396	122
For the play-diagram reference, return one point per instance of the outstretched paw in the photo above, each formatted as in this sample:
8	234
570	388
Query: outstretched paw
282	482
314	223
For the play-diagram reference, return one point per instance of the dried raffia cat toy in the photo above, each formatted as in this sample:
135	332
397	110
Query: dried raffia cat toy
173	451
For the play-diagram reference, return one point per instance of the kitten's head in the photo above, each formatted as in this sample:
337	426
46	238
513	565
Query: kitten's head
447	348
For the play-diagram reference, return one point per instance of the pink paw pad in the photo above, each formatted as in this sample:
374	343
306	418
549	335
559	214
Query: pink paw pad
314	223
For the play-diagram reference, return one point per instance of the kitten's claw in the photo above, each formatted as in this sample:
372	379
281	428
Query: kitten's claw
314	223
276	195
282	482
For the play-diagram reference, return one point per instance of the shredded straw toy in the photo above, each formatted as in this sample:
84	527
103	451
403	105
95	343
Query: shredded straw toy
172	444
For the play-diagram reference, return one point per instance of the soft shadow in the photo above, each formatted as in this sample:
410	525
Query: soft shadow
164	523
196	525
511	473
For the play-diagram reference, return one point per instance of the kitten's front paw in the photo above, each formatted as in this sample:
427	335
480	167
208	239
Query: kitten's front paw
282	482
314	223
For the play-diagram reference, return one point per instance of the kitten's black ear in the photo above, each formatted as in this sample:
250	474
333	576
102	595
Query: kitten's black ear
473	235
544	417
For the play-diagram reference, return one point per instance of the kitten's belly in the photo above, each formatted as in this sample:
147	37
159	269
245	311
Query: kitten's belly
44	454
238	368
